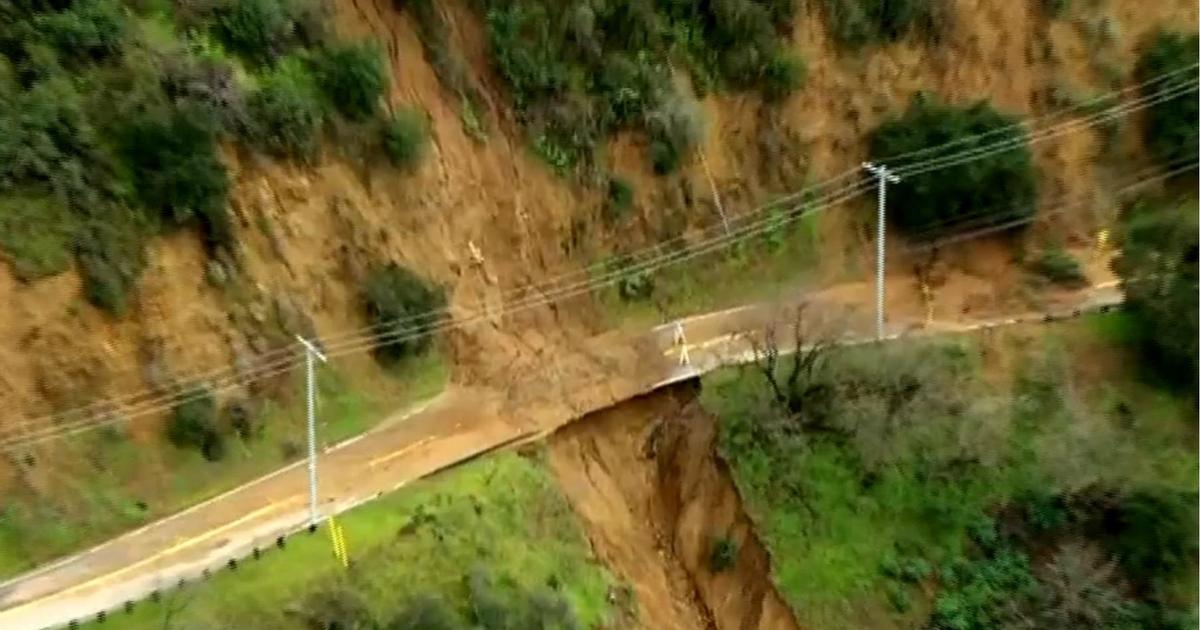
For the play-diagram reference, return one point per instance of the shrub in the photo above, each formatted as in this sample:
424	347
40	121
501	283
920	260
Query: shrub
87	30
987	190
37	232
353	77
260	30
1153	534
1172	127
781	76
401	308
1059	266
1056	8
285	112
176	172
193	424
406	137
723	554
859	22
111	256
619	199
426	613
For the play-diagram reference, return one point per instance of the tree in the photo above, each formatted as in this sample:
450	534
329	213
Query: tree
988	190
1159	276
402	309
1171	130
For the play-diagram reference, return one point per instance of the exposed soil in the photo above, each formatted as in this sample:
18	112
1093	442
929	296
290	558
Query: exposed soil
309	232
653	497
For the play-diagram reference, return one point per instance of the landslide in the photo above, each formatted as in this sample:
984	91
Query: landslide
655	499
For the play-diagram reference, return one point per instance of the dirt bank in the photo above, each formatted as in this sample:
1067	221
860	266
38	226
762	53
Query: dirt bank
654	498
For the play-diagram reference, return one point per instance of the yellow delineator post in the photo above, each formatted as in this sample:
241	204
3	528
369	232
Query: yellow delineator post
338	538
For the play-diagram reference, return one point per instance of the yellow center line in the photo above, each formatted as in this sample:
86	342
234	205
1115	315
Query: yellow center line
389	457
143	562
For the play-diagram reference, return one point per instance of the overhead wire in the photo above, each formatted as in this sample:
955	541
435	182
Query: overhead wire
354	341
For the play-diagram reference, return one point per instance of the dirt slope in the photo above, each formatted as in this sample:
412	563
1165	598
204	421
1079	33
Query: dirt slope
309	232
653	497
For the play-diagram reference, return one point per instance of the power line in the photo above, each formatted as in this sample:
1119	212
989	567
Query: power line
354	341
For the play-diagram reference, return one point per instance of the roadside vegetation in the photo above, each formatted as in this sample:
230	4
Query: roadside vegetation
101	483
928	483
1172	127
491	545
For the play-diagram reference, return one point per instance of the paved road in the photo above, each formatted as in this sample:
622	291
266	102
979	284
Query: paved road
460	424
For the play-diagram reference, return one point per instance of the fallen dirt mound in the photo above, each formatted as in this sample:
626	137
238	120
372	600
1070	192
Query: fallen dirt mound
654	499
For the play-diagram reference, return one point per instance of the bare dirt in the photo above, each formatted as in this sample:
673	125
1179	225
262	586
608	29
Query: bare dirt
654	497
309	232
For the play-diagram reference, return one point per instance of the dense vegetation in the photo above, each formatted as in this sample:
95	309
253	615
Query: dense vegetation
899	478
579	71
111	116
1172	127
403	309
991	190
492	545
1158	268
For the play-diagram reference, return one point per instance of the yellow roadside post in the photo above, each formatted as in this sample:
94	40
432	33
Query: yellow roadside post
338	538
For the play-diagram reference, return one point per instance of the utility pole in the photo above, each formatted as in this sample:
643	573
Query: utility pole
310	374
884	175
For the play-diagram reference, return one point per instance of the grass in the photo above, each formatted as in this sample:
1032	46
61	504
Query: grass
117	483
1072	413
503	512
780	261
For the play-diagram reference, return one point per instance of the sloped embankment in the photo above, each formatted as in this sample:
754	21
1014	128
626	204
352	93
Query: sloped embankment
654	498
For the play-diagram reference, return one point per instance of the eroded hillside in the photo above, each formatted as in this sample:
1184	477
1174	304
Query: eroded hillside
485	214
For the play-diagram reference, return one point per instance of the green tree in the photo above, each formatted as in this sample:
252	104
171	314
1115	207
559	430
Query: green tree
1171	130
1158	269
353	77
402	308
985	191
259	30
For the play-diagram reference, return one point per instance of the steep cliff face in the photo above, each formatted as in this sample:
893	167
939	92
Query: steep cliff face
308	232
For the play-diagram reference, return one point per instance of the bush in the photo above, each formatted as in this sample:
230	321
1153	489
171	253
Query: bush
984	191
260	30
860	22
193	424
402	308
406	137
176	172
37	232
285	112
1153	535
1059	266
619	199
782	75
426	613
723	554
1056	8
353	77
1172	127
88	30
